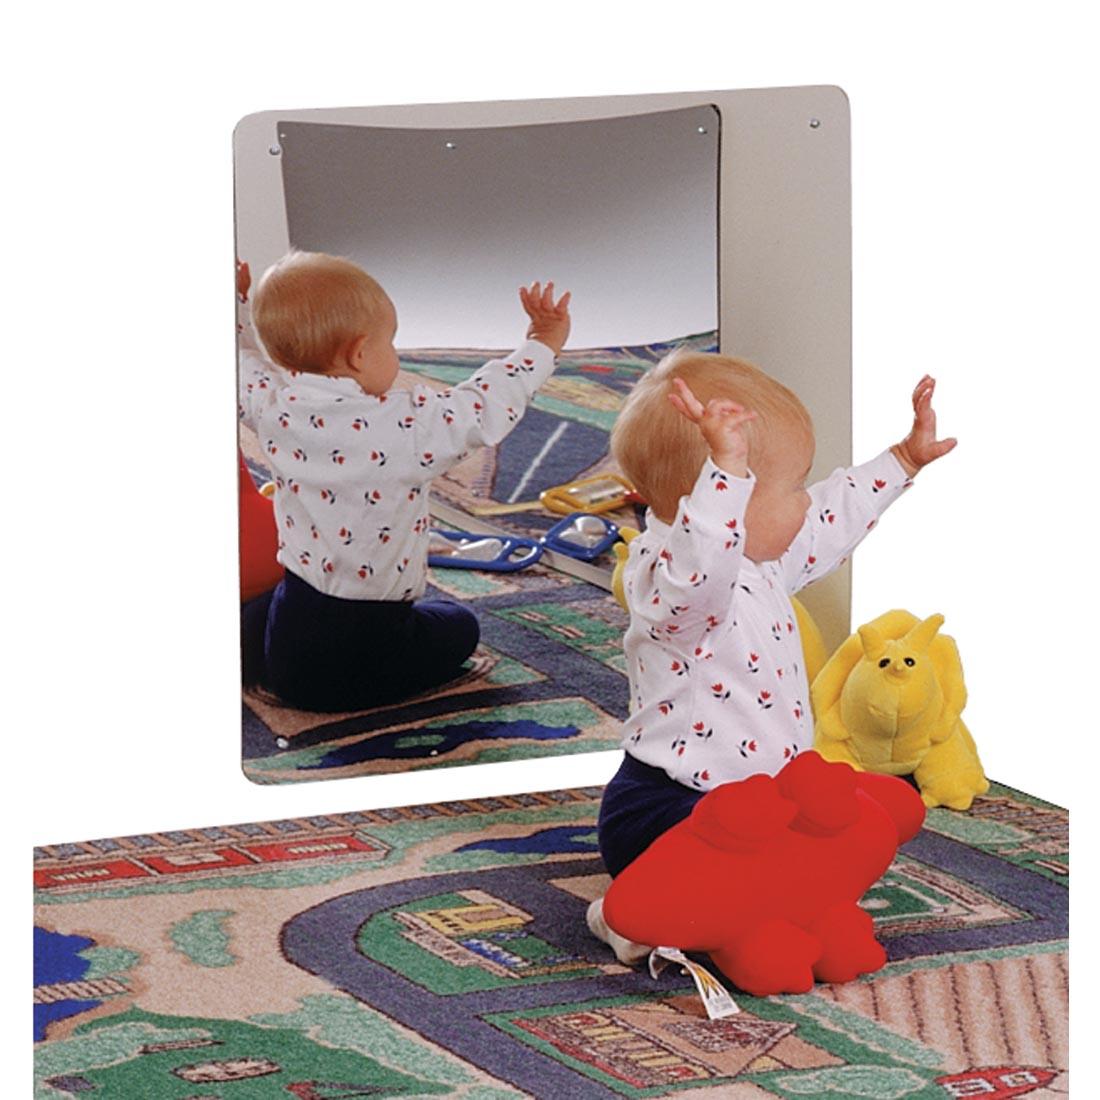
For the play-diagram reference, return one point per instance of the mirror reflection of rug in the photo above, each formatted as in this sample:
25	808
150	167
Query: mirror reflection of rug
549	678
442	950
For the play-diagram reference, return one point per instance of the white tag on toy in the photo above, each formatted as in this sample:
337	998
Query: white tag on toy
715	997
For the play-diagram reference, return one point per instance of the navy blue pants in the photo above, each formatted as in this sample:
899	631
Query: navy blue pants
639	804
323	653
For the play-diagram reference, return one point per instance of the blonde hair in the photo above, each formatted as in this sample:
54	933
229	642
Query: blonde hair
309	306
662	452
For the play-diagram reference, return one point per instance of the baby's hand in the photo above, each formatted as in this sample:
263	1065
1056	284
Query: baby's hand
550	321
720	421
921	446
244	280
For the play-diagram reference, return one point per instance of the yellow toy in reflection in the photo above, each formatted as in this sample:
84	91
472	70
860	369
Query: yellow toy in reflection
890	700
814	652
621	550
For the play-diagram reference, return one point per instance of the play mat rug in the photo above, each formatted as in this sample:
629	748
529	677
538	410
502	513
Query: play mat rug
549	677
441	950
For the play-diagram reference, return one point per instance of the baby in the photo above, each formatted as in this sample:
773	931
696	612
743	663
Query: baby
352	458
718	689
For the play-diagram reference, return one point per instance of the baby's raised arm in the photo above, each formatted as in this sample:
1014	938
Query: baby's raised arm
253	369
720	422
920	446
684	585
485	407
244	280
550	321
846	505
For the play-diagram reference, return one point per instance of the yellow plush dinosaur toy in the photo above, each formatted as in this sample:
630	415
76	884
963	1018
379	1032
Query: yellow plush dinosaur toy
813	645
890	700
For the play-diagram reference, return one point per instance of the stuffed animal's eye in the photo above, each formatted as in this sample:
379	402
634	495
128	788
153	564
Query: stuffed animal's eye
910	662
884	662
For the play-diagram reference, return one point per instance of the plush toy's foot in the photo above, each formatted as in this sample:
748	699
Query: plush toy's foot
850	947
952	802
951	774
626	951
956	792
776	957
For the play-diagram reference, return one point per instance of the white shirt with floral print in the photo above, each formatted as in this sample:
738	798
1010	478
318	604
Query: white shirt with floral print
717	683
352	470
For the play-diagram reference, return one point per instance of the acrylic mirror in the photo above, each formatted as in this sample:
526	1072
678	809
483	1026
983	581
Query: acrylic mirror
705	220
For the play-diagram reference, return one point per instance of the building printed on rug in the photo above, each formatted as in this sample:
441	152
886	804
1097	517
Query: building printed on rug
997	1082
487	933
208	862
650	1045
915	897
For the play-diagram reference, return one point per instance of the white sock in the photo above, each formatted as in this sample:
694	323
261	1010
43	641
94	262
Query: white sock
626	951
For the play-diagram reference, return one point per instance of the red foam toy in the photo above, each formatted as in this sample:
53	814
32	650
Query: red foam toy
259	538
766	873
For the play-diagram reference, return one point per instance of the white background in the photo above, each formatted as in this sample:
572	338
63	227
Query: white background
975	256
